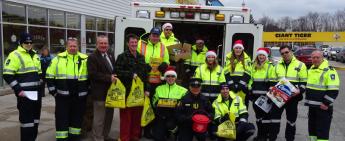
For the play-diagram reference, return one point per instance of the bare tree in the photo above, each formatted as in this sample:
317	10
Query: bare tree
313	20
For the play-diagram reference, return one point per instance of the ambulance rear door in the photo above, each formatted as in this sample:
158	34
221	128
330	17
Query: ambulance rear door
250	34
125	26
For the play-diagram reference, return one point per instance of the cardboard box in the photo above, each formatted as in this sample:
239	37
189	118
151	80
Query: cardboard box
179	51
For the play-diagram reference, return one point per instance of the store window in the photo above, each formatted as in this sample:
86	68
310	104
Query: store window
13	12
101	24
56	18
73	20
39	37
11	37
90	42
111	24
75	34
111	42
57	40
37	15
90	23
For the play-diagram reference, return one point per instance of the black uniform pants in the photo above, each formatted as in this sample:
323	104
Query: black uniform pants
291	116
161	127
319	122
186	133
262	120
69	111
29	117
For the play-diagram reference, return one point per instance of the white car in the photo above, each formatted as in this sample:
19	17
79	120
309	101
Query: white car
275	55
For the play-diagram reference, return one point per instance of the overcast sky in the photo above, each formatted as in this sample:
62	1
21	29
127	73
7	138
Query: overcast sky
292	8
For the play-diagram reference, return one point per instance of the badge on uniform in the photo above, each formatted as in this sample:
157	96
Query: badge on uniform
8	62
333	76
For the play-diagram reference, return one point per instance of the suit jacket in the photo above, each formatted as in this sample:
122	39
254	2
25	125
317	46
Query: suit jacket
99	75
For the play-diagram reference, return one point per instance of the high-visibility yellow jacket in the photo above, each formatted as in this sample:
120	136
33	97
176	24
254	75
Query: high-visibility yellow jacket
322	85
67	74
149	50
210	80
239	78
295	72
168	41
260	78
166	98
197	59
234	104
22	70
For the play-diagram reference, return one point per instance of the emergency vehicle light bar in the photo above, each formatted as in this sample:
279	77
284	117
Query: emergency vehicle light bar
143	14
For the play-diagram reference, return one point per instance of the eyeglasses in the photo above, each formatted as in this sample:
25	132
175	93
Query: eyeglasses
286	52
195	85
28	43
72	38
168	29
170	76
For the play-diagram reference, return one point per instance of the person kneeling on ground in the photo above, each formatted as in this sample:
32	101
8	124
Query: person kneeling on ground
229	103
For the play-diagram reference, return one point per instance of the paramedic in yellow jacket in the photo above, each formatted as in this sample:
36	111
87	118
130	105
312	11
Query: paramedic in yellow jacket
229	103
211	74
67	81
22	71
164	103
167	36
198	56
237	70
260	83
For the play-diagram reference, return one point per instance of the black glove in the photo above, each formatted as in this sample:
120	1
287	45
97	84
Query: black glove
224	118
148	67
162	67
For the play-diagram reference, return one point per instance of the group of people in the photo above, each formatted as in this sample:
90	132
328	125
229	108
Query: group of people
218	93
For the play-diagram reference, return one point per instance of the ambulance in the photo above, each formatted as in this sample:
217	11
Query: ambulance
219	26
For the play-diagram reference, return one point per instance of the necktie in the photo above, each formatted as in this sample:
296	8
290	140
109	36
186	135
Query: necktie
107	64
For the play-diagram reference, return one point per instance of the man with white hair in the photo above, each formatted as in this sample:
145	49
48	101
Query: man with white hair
167	36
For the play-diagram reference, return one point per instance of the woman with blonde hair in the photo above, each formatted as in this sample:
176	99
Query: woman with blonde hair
237	71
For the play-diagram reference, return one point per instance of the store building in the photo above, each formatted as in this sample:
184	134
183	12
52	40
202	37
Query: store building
51	22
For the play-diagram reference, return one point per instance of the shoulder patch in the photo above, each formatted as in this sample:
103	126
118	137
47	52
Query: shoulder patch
332	76
8	62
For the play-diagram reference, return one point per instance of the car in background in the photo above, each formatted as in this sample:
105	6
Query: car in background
333	52
325	49
304	55
341	55
274	55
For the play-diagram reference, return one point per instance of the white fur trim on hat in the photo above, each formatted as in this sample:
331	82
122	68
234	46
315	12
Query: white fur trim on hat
211	53
262	52
170	72
238	45
167	25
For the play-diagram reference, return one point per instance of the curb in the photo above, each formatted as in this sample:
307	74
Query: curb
339	68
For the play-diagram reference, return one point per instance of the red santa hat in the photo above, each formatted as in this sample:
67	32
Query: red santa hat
238	43
211	53
263	51
170	71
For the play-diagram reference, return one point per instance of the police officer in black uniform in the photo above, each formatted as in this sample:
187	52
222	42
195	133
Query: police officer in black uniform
192	103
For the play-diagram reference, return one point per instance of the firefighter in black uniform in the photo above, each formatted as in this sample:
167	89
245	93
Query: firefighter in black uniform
192	103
